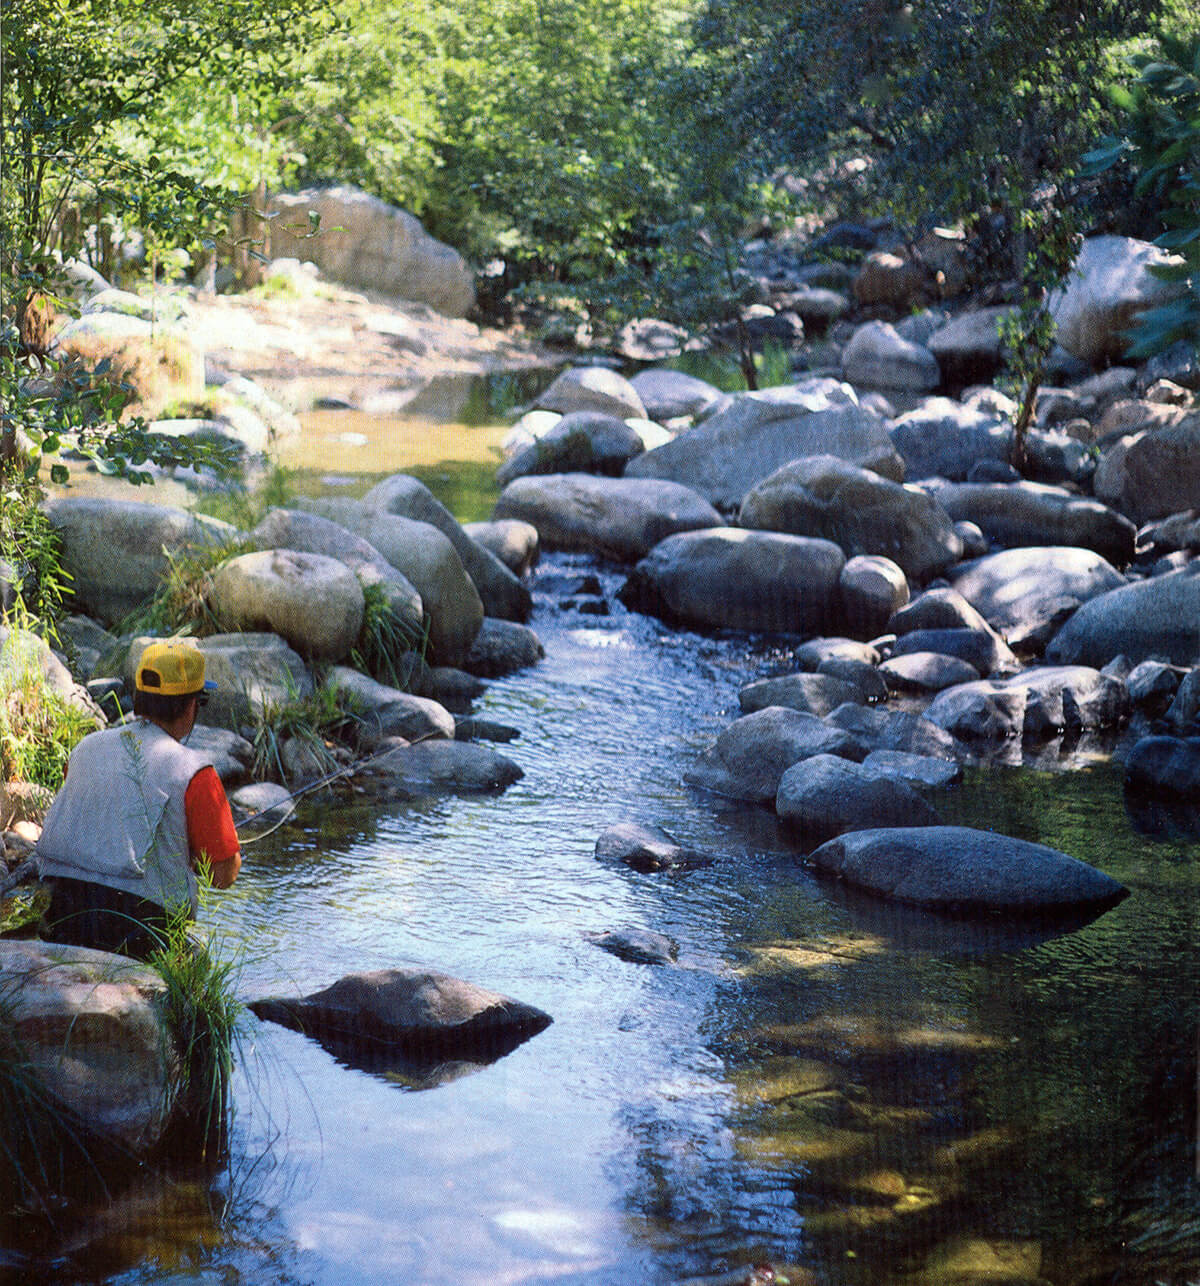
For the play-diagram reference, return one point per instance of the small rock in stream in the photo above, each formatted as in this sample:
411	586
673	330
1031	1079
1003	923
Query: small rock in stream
638	946
645	848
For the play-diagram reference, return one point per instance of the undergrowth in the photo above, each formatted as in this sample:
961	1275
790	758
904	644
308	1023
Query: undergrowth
181	605
316	722
388	649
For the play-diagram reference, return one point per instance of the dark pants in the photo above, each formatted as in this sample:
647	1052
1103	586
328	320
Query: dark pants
84	914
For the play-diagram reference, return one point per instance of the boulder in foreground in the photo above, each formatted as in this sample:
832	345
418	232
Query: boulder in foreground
965	871
419	1011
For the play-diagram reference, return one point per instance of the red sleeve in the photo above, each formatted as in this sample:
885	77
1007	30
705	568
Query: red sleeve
209	821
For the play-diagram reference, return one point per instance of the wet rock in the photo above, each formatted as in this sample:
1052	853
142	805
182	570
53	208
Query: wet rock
813	654
618	518
645	848
471	729
755	434
1023	514
926	672
825	796
513	542
749	580
858	510
1069	698
916	770
1157	618
859	674
503	647
453	688
880	729
436	767
817	694
418	1010
873	588
1168	766
263	799
388	712
638	946
984	711
965	871
752	754
1023	592
981	648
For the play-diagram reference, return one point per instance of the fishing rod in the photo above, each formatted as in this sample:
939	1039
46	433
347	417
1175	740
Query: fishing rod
29	866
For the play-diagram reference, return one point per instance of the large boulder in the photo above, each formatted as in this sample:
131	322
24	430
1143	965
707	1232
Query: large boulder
365	242
862	512
672	395
419	1011
904	730
1020	514
1069	698
644	848
965	871
116	552
618	518
514	543
312	534
500	590
878	358
1111	283
1153	473
313	602
968	347
24	653
581	442
92	1028
817	694
1165	767
756	433
592	388
1022	592
750	580
425	556
387	712
752	754
826	795
1157	618
873	589
983	711
945	439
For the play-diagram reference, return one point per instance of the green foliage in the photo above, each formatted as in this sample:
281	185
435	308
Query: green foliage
1160	144
388	649
202	1015
38	727
316	723
32	549
180	605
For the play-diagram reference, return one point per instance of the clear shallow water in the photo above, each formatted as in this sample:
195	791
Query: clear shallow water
861	1094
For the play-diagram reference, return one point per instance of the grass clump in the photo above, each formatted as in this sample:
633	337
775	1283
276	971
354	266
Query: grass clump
388	649
315	726
181	604
245	507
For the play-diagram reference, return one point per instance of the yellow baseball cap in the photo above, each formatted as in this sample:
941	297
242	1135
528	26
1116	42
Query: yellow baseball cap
173	668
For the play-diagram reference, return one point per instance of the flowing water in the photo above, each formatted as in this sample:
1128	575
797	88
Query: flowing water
852	1093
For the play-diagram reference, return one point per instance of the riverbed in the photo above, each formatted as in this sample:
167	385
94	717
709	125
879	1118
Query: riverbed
851	1093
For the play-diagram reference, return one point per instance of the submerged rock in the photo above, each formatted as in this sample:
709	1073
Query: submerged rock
418	1010
638	946
965	871
1165	766
645	848
437	766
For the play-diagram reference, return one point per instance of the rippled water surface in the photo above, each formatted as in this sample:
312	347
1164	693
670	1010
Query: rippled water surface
853	1094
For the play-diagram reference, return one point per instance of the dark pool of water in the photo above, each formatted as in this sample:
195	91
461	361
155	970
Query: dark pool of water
860	1094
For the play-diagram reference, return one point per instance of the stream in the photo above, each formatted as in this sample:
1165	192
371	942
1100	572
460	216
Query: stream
852	1093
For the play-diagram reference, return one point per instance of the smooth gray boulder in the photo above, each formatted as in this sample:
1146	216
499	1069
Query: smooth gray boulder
92	1028
592	388
983	649
1023	514
916	770
877	728
1154	473
644	848
229	753
752	754
1110	284
311	533
513	542
438	767
873	589
418	1010
926	672
1157	618
387	712
756	433
581	442
638	946
1022	592
672	395
812	654
1165	767
812	693
1069	698
618	518
750	580
116	552
313	602
968	348
825	796
502	647
859	674
983	711
877	357
22	652
964	871
863	513
945	439
939	608
500	590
